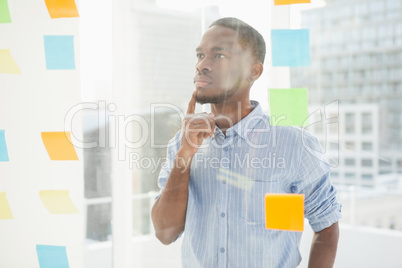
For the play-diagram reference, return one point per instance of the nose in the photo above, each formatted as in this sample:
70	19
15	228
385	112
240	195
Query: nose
203	65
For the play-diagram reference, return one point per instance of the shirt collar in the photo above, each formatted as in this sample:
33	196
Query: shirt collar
244	126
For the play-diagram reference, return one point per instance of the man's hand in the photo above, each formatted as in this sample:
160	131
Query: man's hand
195	128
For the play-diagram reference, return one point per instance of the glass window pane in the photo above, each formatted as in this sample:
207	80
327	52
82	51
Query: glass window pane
350	123
367	162
367	177
350	162
367	146
99	218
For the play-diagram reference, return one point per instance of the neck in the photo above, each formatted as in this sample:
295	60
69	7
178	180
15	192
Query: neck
228	114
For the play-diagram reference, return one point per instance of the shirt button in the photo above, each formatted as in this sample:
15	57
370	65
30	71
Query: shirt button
222	214
224	181
222	250
226	149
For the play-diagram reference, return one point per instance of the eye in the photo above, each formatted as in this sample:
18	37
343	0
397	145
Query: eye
200	56
220	56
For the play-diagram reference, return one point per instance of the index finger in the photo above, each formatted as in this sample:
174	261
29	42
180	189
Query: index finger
191	104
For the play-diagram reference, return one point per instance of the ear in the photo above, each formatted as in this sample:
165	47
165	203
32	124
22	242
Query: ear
256	71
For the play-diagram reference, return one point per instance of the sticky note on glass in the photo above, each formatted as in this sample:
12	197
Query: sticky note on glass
58	202
284	212
59	52
4	12
289	2
288	107
52	256
59	146
62	8
3	147
7	63
5	211
290	47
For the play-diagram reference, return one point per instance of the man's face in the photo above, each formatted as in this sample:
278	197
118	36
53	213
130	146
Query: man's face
223	66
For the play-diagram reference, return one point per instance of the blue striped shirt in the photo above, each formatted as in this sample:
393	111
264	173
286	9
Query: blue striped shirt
225	220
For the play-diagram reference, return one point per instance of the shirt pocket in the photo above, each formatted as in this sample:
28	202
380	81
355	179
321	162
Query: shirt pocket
252	207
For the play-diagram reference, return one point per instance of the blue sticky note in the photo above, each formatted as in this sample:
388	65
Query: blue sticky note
290	47
59	52
52	256
3	147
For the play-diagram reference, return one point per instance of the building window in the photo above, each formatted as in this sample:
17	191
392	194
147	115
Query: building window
349	145
350	176
349	123
333	128
392	223
385	163
366	118
333	146
367	123
367	177
349	162
367	146
367	162
399	163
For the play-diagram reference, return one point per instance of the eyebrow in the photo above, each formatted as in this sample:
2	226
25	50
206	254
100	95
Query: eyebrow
215	49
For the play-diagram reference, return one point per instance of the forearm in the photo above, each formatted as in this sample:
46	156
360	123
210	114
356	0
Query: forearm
323	247
169	211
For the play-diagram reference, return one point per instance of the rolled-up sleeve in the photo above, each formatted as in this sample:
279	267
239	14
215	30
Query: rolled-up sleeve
321	207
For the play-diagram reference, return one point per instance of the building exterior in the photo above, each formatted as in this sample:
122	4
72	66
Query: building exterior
350	138
371	207
356	59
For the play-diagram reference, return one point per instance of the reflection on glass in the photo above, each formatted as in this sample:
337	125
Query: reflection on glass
97	181
99	222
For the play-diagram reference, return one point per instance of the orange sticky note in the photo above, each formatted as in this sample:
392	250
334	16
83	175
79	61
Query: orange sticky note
289	2
284	212
59	145
62	8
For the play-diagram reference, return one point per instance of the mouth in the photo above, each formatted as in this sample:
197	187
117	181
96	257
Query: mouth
200	82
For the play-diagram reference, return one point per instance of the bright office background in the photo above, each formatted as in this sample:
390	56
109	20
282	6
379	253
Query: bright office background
137	58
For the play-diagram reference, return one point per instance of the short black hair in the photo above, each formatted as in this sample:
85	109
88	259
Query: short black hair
248	36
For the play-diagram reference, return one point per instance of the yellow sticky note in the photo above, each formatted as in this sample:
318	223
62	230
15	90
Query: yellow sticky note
5	211
284	212
289	2
7	63
58	202
59	145
62	8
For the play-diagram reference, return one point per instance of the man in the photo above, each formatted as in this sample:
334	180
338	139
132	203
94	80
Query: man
221	165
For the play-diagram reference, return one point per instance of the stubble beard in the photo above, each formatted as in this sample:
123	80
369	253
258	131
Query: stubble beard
217	98
221	98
